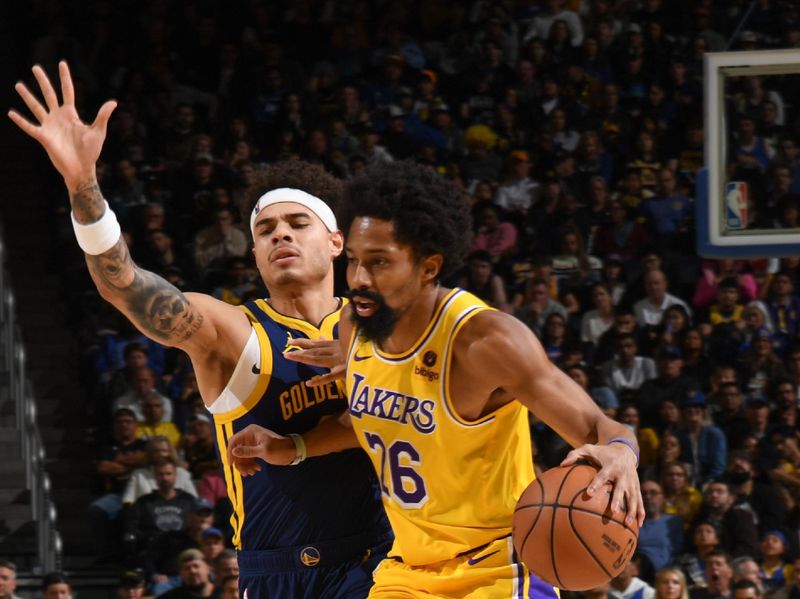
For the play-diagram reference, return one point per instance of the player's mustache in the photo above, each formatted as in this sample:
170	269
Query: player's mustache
365	294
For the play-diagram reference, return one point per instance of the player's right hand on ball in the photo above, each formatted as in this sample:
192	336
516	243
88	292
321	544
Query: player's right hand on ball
256	442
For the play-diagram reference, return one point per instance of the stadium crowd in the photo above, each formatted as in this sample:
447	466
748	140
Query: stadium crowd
573	128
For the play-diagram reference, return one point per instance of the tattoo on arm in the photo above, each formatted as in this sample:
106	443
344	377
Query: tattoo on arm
87	202
159	309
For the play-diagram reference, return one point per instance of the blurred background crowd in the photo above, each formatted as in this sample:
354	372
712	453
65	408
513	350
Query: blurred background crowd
573	127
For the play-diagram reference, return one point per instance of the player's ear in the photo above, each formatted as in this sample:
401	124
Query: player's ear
336	243
431	266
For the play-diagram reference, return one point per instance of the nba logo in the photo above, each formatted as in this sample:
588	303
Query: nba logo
736	205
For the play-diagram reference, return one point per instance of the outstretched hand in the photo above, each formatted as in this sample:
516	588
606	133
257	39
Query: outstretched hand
72	145
325	353
617	465
256	442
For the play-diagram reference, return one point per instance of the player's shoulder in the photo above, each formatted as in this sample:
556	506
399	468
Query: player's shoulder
492	323
491	335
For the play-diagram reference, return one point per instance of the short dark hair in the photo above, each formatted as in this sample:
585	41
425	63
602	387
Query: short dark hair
428	212
745	584
52	578
297	174
9	565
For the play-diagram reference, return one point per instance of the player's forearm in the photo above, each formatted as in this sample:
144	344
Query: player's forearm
329	436
158	309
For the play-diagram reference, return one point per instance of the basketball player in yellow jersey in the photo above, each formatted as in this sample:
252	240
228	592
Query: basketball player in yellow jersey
290	544
437	387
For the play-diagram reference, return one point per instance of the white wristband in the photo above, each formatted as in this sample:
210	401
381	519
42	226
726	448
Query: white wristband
99	236
300	447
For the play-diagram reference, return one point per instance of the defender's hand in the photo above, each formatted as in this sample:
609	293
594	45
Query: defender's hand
72	145
255	442
617	466
325	353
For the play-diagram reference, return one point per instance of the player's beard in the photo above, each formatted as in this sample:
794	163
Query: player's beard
381	324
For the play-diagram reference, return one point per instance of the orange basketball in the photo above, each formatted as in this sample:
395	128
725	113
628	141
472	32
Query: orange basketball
565	537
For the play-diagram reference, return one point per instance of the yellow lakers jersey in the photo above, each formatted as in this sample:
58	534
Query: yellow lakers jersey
449	485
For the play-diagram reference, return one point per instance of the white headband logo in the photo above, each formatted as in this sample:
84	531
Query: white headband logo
298	196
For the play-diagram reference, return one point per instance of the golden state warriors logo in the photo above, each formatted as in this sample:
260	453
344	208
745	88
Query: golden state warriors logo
309	556
289	345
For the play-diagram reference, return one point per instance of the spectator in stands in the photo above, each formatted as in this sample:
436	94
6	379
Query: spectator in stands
497	237
754	493
704	445
792	588
622	236
226	565
705	540
194	577
668	212
670	583
519	191
672	330
750	151
759	364
131	585
735	525
727	310
118	459
228	587
122	380
555	339
156	526
628	371
239	285
773	570
56	586
680	497
729	414
8	579
160	252
670	384
198	446
784	308
537	305
661	535
144	386
746	568
628	585
142	480
597	321
716	271
650	310
211	544
746	589
483	282
718	575
220	240
154	424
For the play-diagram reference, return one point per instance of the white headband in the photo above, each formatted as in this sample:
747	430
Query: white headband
298	196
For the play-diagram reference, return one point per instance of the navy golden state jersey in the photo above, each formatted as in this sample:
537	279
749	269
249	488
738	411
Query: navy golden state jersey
323	498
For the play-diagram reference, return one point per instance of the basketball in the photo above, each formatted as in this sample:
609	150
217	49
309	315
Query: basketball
565	537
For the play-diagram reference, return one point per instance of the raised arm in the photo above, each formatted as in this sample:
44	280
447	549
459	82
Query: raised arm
510	357
158	309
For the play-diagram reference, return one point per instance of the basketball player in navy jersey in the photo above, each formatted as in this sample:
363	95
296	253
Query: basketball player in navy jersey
308	528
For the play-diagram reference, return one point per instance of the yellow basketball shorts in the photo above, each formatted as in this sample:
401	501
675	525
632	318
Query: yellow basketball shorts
490	572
